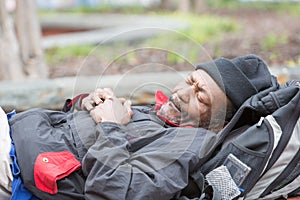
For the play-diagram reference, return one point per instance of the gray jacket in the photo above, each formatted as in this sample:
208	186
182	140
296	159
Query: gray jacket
145	159
142	160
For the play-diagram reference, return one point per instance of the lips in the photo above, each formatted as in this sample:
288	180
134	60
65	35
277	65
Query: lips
175	103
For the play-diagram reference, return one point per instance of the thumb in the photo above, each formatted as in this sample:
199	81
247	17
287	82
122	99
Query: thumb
122	100
127	105
95	115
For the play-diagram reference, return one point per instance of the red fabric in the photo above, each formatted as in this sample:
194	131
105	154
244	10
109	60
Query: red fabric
52	166
160	100
75	99
166	120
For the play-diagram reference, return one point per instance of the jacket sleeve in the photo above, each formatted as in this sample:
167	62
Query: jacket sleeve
158	170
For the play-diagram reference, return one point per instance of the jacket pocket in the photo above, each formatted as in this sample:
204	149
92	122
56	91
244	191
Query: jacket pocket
52	166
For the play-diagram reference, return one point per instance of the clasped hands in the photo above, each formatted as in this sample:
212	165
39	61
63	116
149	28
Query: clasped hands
104	106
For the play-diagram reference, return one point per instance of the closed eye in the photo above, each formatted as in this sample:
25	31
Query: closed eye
202	93
199	89
201	97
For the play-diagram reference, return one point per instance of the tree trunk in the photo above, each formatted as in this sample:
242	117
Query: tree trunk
196	6
200	6
21	55
29	36
184	6
10	63
166	4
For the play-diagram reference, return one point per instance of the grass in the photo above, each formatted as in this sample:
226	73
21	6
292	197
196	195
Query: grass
185	44
56	55
292	63
104	53
272	40
103	8
281	7
286	7
106	8
205	27
181	45
188	43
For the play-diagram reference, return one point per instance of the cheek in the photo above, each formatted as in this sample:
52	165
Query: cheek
200	112
220	107
206	116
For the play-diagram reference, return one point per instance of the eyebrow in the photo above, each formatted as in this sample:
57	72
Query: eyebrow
207	97
198	82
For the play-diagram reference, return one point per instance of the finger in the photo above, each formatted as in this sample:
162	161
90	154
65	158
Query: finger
86	103
99	96
95	116
127	105
122	100
102	94
96	98
89	106
83	103
109	91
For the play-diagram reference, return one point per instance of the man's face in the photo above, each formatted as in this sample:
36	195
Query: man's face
196	102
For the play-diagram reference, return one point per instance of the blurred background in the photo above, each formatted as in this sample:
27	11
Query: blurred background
49	39
228	28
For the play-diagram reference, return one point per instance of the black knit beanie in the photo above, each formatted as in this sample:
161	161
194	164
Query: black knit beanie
239	78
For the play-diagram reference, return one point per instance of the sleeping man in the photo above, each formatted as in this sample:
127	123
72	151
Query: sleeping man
109	149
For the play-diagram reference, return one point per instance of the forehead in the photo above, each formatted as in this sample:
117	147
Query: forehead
204	79
203	76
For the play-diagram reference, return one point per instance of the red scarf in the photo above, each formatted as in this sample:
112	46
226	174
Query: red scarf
160	100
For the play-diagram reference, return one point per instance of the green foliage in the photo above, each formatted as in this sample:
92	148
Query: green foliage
294	63
56	54
173	58
84	9
102	8
272	40
103	52
229	4
107	8
281	7
201	29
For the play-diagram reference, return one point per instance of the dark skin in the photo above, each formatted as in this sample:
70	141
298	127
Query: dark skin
104	106
197	102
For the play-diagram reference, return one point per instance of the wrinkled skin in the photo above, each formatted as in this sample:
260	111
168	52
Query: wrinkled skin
104	106
197	101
